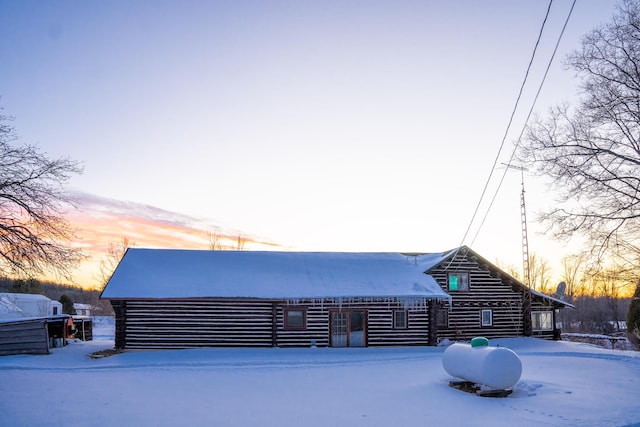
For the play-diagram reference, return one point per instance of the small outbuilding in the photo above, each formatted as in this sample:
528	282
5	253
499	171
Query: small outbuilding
82	309
34	335
83	328
23	336
23	317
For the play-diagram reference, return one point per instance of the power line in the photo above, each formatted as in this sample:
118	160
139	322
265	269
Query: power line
513	112
524	126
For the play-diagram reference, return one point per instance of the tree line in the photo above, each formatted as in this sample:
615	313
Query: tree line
65	294
601	296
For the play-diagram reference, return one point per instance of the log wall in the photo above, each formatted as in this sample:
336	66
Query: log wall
189	323
379	328
24	337
487	291
155	324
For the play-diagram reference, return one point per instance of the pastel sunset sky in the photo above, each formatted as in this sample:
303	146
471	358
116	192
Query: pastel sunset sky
303	125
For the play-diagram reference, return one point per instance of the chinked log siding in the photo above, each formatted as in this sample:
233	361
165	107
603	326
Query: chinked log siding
487	291
379	322
155	324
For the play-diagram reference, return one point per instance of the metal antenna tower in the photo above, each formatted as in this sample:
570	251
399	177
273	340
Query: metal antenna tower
523	222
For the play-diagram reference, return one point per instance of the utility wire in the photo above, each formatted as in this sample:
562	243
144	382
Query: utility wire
524	126
504	137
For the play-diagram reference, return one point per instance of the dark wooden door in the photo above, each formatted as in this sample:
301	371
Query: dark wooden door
348	328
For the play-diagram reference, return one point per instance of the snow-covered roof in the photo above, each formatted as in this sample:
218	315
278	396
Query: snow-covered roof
28	305
171	273
18	298
8	309
552	298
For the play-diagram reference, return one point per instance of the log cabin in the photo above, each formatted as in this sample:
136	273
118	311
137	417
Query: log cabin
167	298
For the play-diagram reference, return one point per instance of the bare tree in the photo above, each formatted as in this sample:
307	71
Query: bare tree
573	276
34	236
540	274
591	151
241	241
512	270
111	259
607	285
215	240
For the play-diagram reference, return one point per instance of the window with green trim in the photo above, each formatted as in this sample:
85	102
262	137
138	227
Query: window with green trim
459	281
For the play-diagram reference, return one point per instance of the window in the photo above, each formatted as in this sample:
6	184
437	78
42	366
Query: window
55	310
486	318
459	281
295	319
442	318
542	321
399	319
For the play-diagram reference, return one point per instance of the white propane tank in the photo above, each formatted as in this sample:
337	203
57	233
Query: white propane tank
495	367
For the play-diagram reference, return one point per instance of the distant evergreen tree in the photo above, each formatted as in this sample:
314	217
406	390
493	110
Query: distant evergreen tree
30	286
633	318
19	287
67	304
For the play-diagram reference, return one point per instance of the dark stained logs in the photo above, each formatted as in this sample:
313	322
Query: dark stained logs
190	323
198	323
487	291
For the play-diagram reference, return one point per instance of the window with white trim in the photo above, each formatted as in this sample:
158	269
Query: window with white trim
542	321
400	319
486	318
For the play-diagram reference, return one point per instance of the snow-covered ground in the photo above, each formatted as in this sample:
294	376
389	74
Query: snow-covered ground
562	384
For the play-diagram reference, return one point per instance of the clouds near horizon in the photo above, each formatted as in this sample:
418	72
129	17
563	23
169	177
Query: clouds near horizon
100	222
